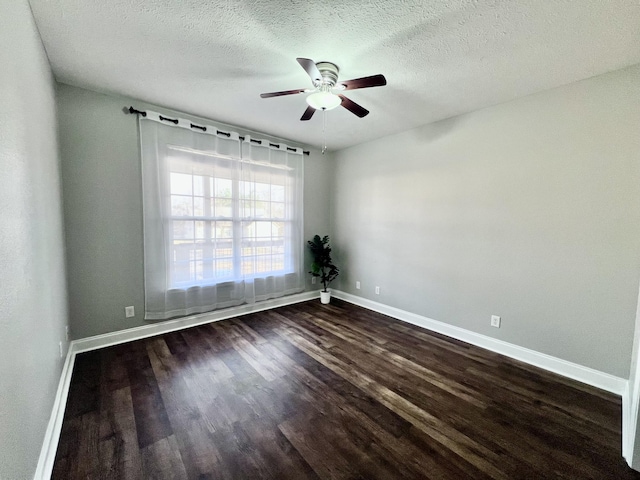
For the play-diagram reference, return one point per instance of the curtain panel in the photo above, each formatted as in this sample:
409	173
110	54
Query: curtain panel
223	219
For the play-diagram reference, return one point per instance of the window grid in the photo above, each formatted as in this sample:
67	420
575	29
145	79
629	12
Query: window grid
224	229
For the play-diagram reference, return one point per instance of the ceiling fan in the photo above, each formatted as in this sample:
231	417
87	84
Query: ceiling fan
324	76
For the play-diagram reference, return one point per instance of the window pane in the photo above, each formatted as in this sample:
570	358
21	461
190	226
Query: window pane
263	229
263	264
222	207
181	184
277	210
224	268
277	229
263	210
181	206
248	229
199	230
181	272
223	229
224	249
198	206
199	183
246	208
181	253
277	193
278	262
263	191
247	265
183	230
246	190
194	271
277	246
223	188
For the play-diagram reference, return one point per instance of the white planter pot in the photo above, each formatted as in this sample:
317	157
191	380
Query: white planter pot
325	297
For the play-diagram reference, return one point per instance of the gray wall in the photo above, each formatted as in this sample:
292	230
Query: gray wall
103	207
33	312
529	210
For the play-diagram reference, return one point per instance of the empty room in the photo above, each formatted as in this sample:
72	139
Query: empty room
320	240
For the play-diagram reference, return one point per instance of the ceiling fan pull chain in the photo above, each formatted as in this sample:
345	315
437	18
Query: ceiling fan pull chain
324	126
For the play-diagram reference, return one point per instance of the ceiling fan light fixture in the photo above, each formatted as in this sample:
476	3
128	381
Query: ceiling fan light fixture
323	100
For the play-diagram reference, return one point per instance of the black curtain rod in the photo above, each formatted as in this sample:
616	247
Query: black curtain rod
204	129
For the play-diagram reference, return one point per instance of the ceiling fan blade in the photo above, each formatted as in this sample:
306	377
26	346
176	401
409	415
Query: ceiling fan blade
353	107
284	92
365	82
311	69
308	113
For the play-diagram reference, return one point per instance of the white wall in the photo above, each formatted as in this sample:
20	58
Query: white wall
33	312
99	149
529	210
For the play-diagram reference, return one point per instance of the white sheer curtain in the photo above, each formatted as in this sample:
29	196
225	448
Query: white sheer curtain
222	218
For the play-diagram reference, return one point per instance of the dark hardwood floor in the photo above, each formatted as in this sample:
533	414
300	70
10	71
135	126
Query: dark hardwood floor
329	391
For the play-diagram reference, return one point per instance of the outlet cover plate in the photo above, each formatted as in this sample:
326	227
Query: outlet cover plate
129	311
495	321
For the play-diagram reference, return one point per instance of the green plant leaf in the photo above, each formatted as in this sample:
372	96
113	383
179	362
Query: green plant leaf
322	265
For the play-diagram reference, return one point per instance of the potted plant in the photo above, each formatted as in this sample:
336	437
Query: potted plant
322	265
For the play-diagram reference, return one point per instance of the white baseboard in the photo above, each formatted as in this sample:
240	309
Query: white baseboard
630	407
627	425
571	370
166	326
52	435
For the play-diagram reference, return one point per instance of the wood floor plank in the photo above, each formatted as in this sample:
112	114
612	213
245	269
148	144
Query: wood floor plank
399	365
315	449
253	357
189	429
66	463
312	391
432	426
162	460
118	413
152	423
385	431
284	461
84	389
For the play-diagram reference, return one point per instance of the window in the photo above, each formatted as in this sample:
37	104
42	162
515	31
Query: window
222	219
224	228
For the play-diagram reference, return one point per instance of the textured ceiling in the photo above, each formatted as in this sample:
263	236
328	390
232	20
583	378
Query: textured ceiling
440	57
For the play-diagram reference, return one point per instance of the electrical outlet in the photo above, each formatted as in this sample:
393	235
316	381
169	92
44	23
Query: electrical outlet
60	347
129	311
357	285
313	280
377	290
66	332
495	321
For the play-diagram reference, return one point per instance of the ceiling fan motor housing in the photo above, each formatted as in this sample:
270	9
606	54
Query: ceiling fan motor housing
329	72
